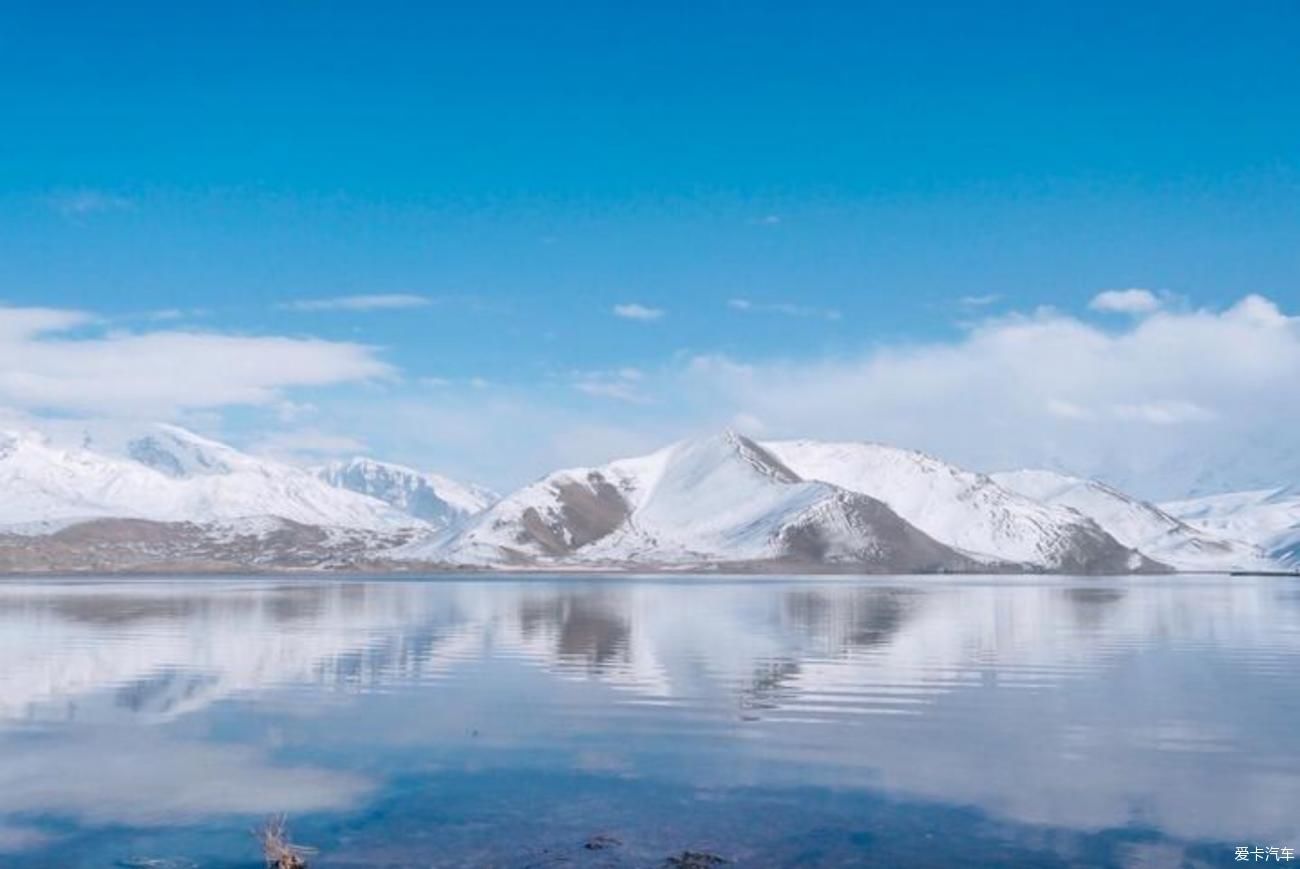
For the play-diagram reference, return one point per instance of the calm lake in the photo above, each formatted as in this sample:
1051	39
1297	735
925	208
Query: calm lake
891	721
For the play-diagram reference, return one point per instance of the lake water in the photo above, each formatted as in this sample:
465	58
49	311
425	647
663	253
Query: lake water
803	722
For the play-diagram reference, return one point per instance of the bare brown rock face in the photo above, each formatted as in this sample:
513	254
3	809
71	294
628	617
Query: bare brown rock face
142	546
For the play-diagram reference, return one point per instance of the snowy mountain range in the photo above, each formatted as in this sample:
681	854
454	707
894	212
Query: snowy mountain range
965	510
166	498
1138	524
432	498
1270	517
722	500
168	474
163	498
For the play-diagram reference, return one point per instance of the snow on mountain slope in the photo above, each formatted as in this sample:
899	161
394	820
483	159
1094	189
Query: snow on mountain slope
438	500
718	500
1135	523
1268	518
962	509
168	474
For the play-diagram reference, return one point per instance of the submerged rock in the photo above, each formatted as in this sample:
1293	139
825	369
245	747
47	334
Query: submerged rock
695	860
601	841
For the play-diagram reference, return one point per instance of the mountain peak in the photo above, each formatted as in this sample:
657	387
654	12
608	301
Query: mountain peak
754	454
167	474
432	498
178	452
722	499
1135	523
961	508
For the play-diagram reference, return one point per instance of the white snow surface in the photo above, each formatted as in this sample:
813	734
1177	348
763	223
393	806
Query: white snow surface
168	474
713	499
718	498
1268	518
1138	524
433	498
963	509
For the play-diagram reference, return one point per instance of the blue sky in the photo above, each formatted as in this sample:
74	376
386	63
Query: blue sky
788	187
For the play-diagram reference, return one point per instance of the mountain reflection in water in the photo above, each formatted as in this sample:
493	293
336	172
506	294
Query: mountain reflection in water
809	722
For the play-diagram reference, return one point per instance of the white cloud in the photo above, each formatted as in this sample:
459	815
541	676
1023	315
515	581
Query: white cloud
502	437
80	203
308	445
157	779
21	323
1067	409
1126	302
610	389
45	366
1171	401
787	309
373	302
981	301
1164	412
292	411
1177	400
621	385
1163	404
634	311
748	423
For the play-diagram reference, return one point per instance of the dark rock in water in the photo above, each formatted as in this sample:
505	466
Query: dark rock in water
600	842
695	860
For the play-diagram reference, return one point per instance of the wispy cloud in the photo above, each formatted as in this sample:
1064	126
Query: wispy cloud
1152	403
766	220
610	389
164	315
373	302
786	309
1164	412
308	445
63	360
81	203
980	301
1135	301
635	311
620	385
1067	409
1051	389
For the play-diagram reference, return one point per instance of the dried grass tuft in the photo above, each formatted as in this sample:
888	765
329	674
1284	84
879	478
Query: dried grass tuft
279	851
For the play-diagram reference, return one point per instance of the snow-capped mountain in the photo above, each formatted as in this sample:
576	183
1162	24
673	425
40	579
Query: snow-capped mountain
432	498
965	510
1268	518
717	500
168	474
163	498
1135	523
